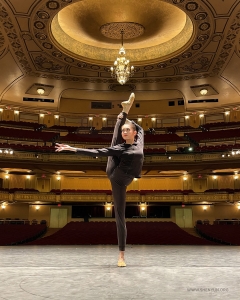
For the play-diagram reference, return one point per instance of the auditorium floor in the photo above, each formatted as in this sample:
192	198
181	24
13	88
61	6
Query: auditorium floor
90	272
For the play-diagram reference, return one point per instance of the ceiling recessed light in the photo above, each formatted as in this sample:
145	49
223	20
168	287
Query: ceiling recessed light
203	91
40	91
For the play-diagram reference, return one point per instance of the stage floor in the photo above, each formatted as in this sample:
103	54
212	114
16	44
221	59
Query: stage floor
90	272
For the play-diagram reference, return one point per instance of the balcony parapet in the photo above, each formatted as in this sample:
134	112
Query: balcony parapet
74	158
45	198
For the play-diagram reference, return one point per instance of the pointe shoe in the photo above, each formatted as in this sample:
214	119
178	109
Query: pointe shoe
126	105
121	263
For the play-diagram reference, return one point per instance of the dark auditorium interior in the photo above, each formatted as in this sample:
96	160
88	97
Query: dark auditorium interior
56	86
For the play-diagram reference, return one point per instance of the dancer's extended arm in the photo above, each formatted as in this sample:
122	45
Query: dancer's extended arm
110	151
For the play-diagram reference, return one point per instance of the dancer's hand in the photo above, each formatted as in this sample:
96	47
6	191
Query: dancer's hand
63	147
120	116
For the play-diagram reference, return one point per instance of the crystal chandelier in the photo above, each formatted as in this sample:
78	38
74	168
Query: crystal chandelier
122	70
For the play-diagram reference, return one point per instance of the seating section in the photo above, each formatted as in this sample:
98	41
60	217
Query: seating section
31	148
22	124
179	128
217	148
27	136
14	234
106	138
227	134
107	130
63	128
227	190
21	134
87	138
13	190
163	138
219	125
150	151
222	233
95	233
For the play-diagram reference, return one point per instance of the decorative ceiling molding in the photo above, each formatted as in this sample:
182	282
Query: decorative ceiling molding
14	39
46	10
43	37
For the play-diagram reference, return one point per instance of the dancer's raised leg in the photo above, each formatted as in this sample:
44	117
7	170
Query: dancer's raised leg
117	134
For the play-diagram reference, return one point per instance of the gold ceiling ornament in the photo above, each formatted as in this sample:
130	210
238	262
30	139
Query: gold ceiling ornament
113	30
121	69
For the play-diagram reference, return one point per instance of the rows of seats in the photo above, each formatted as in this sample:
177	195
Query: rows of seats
174	129
226	190
154	150
31	148
22	124
75	135
217	148
164	138
147	151
18	221
86	138
232	221
15	234
169	129
215	125
225	234
21	134
51	149
105	233
13	190
63	128
107	129
106	138
213	135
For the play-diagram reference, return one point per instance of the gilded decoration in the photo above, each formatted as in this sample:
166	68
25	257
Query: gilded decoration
193	14
200	16
14	39
70	30
113	30
2	40
156	197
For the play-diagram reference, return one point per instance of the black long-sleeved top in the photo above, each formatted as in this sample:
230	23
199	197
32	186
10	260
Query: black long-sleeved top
129	156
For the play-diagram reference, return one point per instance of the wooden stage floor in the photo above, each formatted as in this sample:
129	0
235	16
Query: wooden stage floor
90	272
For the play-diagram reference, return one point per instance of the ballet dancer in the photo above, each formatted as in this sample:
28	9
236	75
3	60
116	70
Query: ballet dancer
125	162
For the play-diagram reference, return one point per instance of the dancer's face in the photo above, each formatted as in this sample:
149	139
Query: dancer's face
128	133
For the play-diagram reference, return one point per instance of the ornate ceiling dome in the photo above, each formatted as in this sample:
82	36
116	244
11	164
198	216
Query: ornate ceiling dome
91	30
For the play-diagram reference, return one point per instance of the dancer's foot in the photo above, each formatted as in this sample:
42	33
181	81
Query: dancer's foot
126	105
121	263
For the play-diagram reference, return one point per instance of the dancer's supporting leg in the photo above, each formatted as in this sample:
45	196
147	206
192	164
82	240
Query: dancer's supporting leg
119	182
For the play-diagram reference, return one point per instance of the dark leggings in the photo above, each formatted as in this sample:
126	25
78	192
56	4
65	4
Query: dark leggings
119	181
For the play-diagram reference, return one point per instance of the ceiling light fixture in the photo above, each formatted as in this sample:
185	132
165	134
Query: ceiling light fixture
121	69
40	91
203	91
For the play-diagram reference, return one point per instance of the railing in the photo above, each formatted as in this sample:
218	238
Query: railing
150	196
154	158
